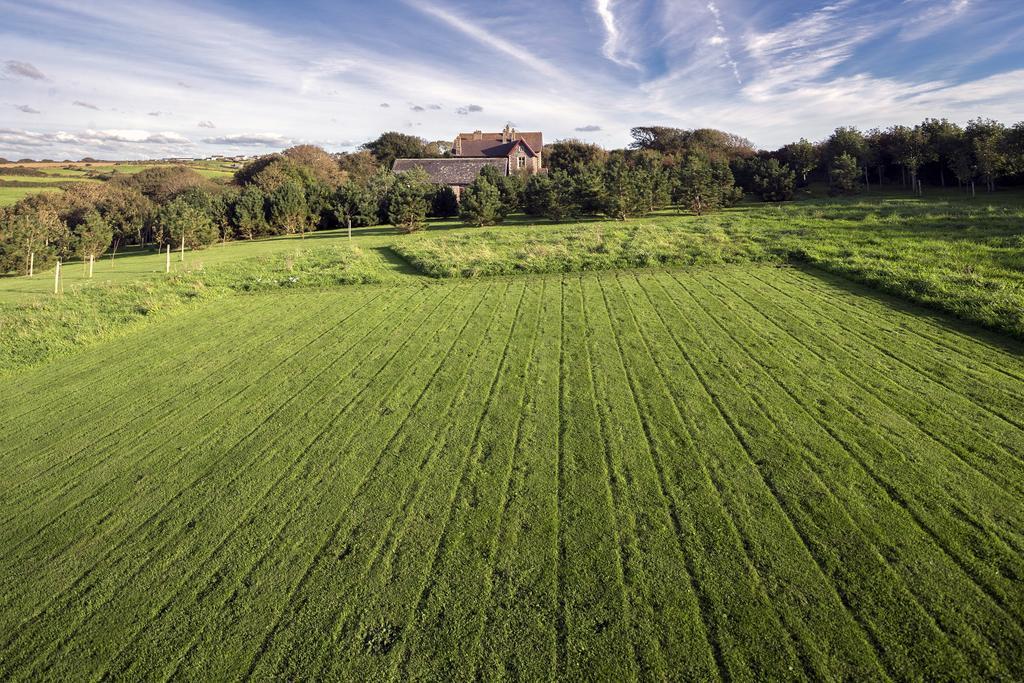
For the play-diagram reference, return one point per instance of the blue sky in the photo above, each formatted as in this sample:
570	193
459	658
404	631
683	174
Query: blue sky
143	79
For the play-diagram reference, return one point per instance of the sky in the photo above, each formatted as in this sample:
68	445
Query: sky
144	79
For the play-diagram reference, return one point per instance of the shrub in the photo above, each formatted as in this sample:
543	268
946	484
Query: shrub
481	203
772	181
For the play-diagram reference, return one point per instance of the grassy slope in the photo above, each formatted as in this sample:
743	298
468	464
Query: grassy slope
962	256
737	472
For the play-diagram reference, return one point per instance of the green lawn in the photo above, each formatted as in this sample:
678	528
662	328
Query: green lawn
740	472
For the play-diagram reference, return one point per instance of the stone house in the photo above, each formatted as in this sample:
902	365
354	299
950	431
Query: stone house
509	151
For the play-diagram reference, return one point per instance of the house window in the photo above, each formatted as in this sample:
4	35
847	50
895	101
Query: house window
522	162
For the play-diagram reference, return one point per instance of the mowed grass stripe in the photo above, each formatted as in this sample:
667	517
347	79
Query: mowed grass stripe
225	592
960	427
404	590
238	504
992	391
305	616
280	569
827	639
779	444
153	526
520	634
949	623
69	442
118	454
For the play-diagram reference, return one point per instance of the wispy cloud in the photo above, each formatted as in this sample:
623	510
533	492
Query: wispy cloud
13	67
26	109
481	35
206	124
613	35
721	39
588	129
469	109
85	105
932	16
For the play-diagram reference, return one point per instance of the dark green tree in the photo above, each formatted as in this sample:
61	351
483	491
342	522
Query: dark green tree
407	201
772	181
480	203
845	174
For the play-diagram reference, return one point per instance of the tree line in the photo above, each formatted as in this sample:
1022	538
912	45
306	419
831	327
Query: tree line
304	188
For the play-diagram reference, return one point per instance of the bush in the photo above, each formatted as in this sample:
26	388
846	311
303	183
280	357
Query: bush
443	202
407	201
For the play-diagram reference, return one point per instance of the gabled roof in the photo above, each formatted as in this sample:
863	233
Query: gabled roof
535	139
490	148
452	171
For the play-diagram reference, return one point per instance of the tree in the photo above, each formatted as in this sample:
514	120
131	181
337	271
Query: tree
358	167
92	237
481	203
568	155
845	174
909	149
407	200
31	234
628	189
537	195
703	186
708	143
987	143
803	157
249	213
510	189
943	138
354	205
393	145
163	183
288	209
1014	148
848	141
774	182
443	202
317	164
183	225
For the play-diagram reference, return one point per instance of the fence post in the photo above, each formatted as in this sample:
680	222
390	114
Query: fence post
56	278
31	264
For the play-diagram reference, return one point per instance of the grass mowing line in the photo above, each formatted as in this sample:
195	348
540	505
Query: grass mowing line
246	512
404	587
91	440
318	439
830	641
595	597
612	492
59	427
100	360
902	602
144	524
410	488
446	651
562	630
142	434
934	531
886	306
986	405
335	533
946	434
919	596
265	512
508	489
519	637
734	565
920	509
663	543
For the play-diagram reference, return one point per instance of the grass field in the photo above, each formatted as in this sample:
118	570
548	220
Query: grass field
670	448
739	472
15	187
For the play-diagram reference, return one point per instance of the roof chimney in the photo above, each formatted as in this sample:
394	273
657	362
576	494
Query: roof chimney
478	135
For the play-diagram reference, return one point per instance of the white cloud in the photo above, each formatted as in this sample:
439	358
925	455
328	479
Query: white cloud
26	109
613	35
206	124
251	140
23	70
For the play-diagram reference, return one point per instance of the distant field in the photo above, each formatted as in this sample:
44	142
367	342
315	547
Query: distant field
735	472
79	172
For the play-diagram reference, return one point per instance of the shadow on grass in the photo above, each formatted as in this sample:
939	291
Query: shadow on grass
946	320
